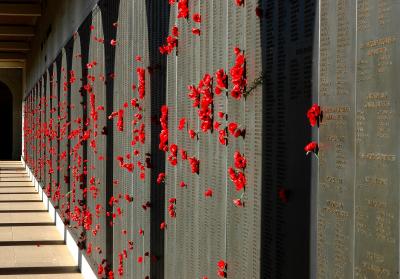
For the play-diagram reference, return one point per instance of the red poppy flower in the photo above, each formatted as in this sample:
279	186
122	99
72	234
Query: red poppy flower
184	155
238	178
238	202
196	31
232	127
141	74
240	160
175	31
163	225
222	137
128	198
113	42
100	269
161	178
221	264
120	122
239	2
183	9
314	115
192	134
196	17
311	147
221	78
194	164
208	193
173	149
172	200
182	123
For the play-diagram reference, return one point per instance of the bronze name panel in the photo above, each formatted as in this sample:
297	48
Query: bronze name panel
358	187
377	135
335	193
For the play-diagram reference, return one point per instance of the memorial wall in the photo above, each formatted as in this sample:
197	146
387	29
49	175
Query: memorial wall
160	214
358	170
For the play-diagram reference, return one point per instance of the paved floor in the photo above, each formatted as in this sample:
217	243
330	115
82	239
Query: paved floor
30	245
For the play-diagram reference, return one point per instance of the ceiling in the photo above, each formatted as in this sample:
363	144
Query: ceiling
18	20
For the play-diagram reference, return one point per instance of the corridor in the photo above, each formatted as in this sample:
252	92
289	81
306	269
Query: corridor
30	244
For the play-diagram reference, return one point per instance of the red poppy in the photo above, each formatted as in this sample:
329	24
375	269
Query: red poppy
196	31
128	198
240	160
141	74
208	193
232	127
196	17
221	264
192	134
311	147
113	42
163	225
238	202
222	137
161	178
194	164
314	115
182	123
183	9
172	200
120	122
238	178
221	78
184	155
239	2
175	31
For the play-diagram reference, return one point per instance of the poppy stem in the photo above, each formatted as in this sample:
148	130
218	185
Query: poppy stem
255	84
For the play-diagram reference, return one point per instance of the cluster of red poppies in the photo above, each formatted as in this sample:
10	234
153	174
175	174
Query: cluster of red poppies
171	207
222	267
164	129
205	111
141	75
171	41
314	115
85	131
238	74
128	166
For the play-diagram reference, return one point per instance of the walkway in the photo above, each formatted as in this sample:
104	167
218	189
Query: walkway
30	244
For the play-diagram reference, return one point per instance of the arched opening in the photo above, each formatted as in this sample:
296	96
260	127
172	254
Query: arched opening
6	116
